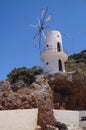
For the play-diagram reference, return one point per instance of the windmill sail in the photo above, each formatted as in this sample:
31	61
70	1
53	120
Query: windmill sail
48	18
44	36
42	13
35	26
41	28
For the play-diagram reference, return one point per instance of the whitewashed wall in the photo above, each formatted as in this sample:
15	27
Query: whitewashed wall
82	123
71	118
67	117
18	119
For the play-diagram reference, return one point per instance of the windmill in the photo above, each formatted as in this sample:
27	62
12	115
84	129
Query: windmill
41	27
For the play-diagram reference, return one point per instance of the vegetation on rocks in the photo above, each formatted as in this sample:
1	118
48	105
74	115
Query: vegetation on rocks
24	74
77	61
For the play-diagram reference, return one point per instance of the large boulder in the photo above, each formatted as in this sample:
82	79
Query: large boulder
69	90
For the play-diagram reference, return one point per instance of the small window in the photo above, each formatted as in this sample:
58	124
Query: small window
58	46
47	45
47	63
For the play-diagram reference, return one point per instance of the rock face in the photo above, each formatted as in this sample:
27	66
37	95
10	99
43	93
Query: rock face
69	90
45	103
49	91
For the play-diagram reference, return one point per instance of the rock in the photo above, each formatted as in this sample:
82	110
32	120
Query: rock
69	89
38	127
5	86
61	126
44	99
16	86
50	127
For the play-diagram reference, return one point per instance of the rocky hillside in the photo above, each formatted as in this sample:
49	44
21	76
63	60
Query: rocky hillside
77	61
47	92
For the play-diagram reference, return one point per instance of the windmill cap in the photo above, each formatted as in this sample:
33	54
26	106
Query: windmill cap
53	33
53	36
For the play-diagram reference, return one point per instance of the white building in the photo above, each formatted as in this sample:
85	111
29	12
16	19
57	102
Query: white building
53	56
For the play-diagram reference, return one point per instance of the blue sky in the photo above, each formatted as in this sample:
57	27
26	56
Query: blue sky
16	36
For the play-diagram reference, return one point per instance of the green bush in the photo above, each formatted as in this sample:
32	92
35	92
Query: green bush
23	74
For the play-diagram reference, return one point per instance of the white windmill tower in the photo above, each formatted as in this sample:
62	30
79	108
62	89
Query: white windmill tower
52	55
